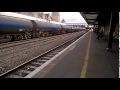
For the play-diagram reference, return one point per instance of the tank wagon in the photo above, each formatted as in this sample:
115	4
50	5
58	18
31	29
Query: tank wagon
19	28
66	28
14	27
46	28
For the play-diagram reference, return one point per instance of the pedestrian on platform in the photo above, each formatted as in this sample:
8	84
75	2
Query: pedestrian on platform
100	34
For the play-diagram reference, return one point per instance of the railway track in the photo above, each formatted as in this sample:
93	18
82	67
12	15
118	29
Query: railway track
21	42
25	70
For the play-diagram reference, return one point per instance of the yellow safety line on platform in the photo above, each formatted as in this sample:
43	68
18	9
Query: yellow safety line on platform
84	69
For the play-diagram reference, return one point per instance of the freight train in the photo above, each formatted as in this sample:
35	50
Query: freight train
21	28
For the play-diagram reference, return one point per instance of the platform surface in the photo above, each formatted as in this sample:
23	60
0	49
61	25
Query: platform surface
87	58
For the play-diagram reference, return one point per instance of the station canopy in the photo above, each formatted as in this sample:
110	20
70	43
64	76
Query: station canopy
93	18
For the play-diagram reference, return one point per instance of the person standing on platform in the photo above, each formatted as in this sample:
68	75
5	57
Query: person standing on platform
100	34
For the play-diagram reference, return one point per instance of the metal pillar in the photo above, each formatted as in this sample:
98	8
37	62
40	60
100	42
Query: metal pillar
112	27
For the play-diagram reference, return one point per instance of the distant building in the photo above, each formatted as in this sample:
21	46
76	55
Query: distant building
26	13
56	16
40	15
48	17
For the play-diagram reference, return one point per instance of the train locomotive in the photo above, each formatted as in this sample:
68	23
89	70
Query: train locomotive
20	28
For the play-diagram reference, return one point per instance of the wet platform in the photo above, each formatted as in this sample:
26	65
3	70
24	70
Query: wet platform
86	58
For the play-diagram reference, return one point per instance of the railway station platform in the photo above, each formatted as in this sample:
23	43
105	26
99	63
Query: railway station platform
85	58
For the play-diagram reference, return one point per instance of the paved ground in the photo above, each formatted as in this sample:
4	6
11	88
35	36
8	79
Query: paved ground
87	58
103	64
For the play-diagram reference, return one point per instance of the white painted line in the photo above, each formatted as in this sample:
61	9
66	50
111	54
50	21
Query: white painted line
72	47
53	58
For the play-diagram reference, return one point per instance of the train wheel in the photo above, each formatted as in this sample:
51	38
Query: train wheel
19	37
24	37
12	38
43	35
37	35
31	36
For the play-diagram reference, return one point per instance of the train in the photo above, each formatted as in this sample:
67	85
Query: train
21	28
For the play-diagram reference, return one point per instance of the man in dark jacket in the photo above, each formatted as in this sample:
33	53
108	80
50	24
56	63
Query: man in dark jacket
100	34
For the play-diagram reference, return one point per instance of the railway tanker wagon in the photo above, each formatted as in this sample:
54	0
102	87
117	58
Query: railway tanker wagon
16	28
35	30
56	29
47	28
66	29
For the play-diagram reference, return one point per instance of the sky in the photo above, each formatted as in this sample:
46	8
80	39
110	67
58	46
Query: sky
71	17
